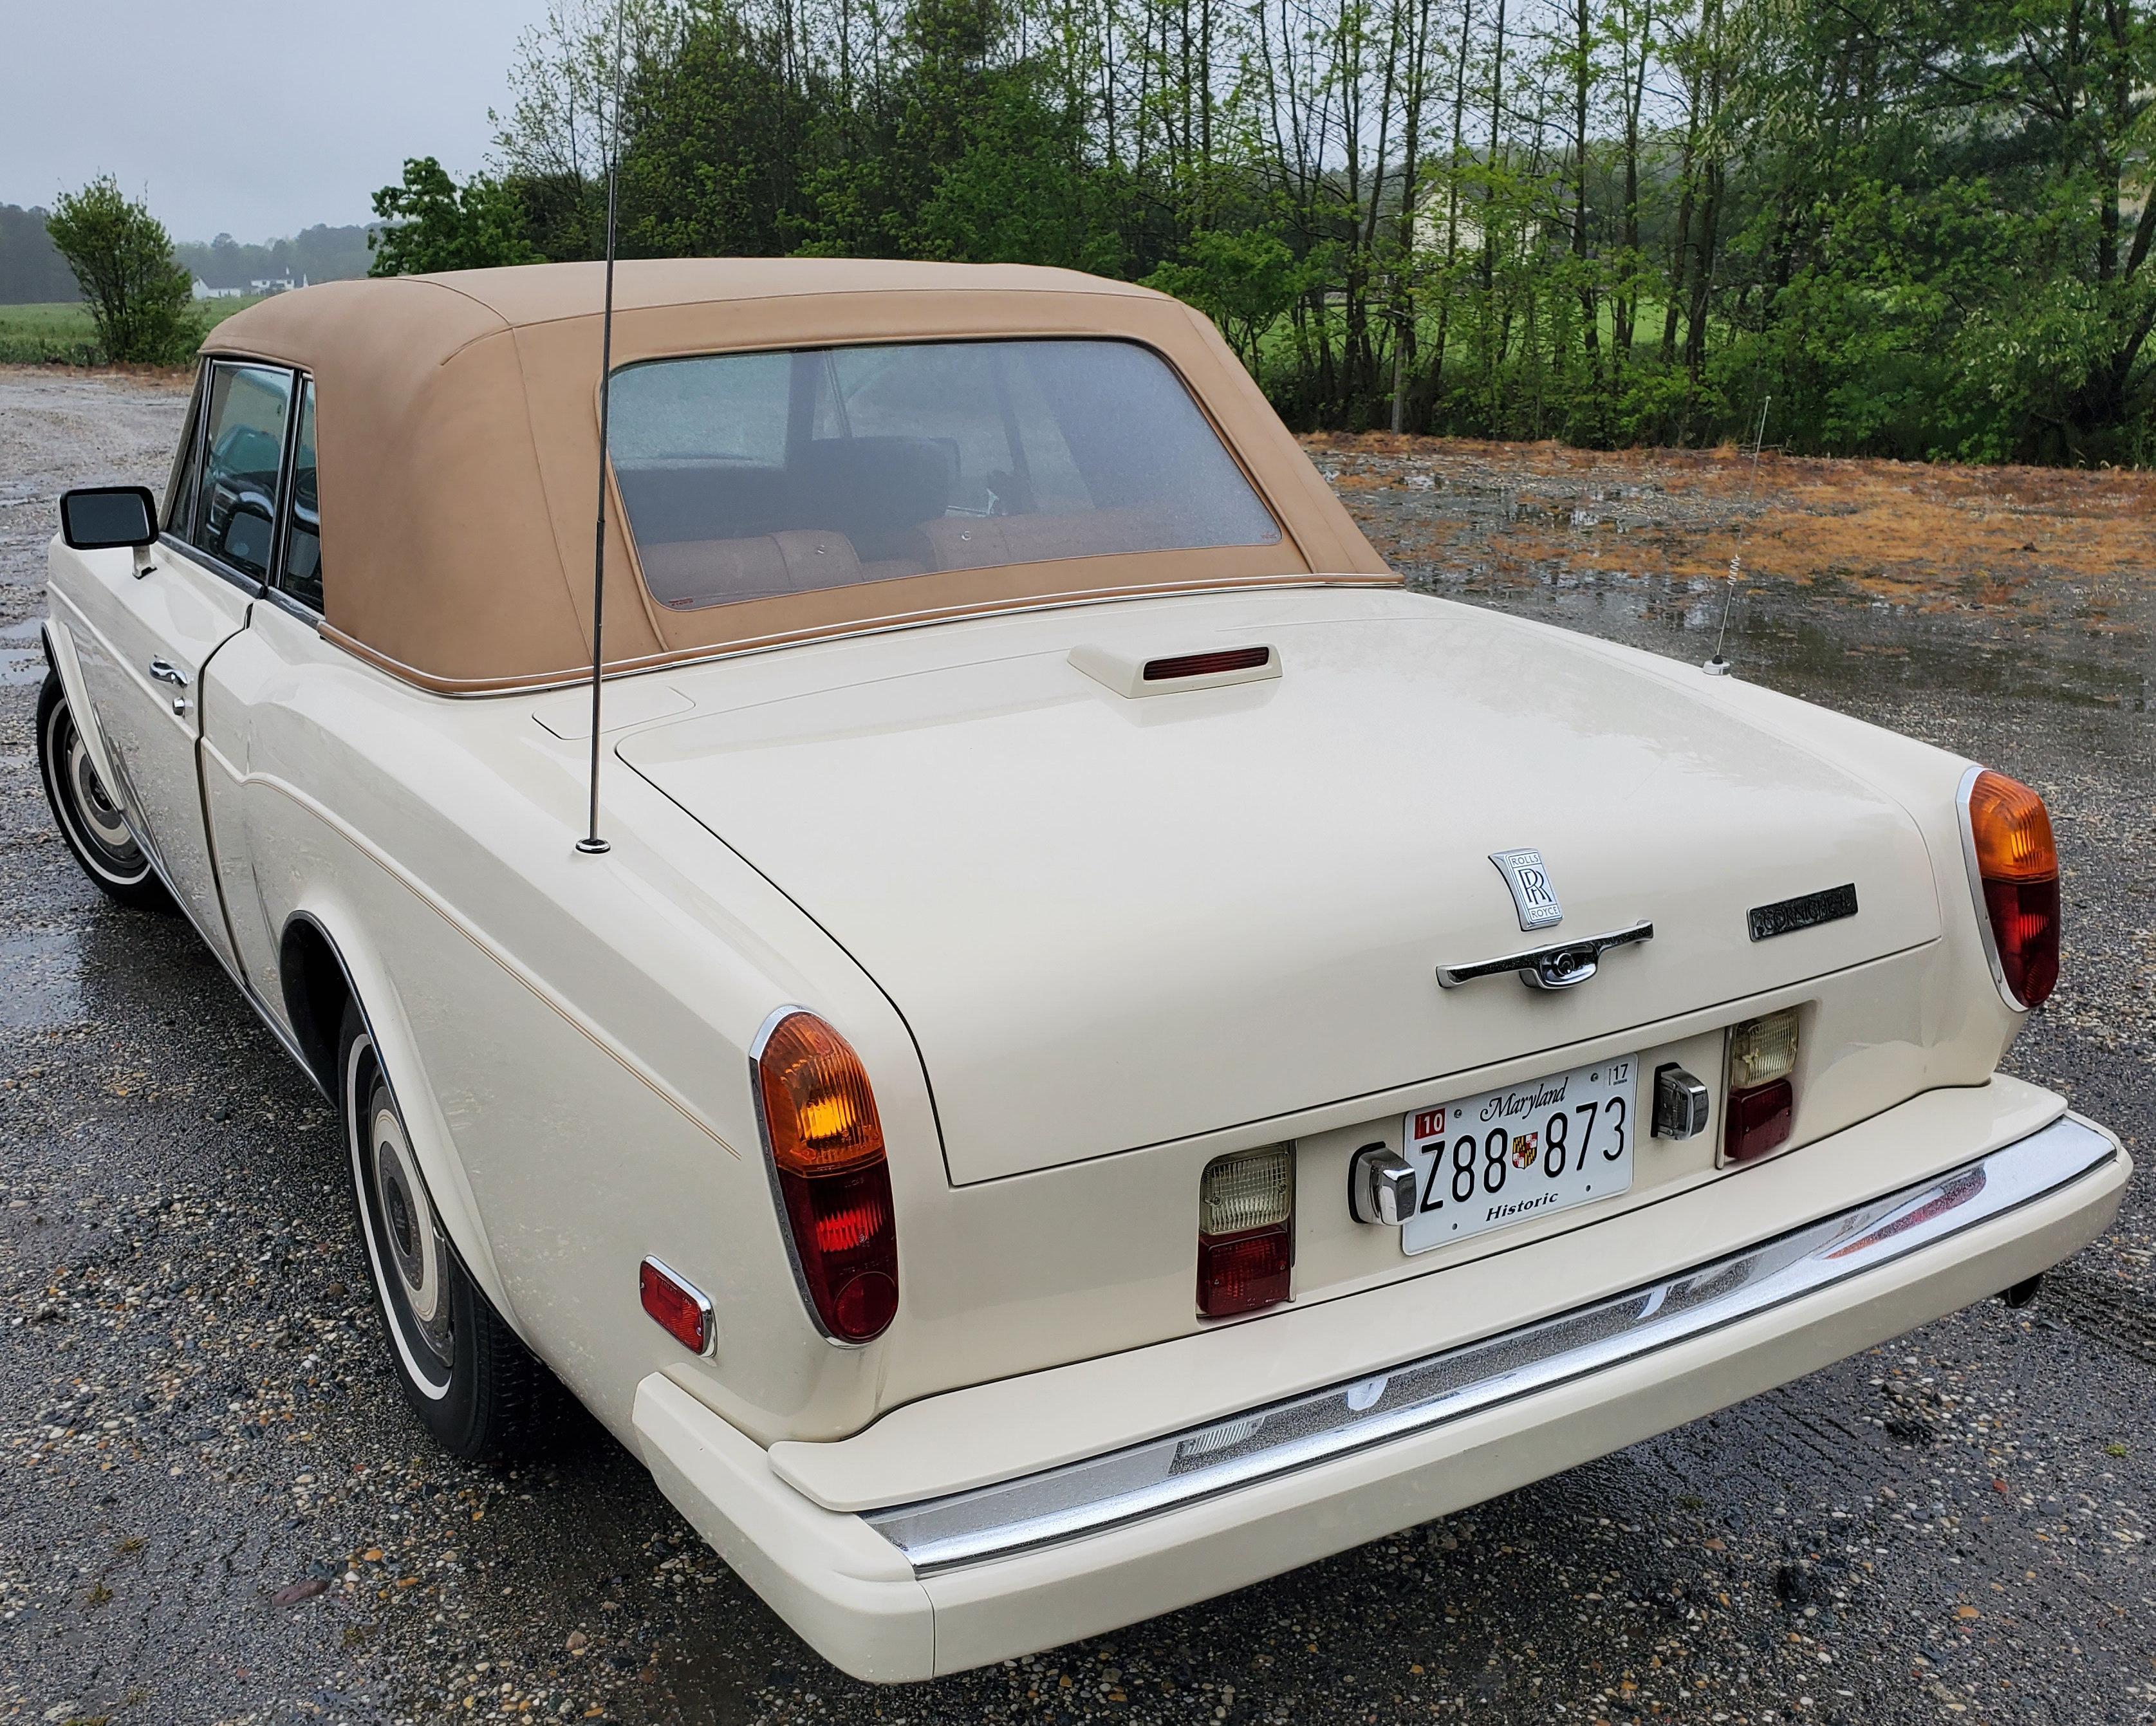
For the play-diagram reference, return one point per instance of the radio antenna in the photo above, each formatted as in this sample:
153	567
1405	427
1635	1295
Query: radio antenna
1718	667
591	845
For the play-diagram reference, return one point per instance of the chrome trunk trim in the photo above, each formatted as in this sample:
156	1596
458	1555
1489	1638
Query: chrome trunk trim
1168	1473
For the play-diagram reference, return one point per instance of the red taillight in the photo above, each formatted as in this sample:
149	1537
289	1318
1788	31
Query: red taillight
2016	863
680	1307
1246	1231
1244	1274
1761	1101
826	1147
1754	1121
1206	664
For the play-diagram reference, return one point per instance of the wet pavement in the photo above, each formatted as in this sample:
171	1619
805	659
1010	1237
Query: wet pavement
213	1506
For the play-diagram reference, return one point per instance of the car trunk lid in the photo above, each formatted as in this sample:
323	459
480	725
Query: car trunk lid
1110	922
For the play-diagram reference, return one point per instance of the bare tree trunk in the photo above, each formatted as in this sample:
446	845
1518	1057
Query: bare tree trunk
1639	37
1590	307
1452	194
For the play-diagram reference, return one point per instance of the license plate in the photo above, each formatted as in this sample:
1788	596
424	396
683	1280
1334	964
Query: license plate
1487	1162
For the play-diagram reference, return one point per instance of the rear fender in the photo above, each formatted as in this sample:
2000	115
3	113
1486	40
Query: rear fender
383	1011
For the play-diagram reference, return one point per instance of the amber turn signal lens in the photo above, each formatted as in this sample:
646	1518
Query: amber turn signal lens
2012	830
827	1152
2017	864
816	1104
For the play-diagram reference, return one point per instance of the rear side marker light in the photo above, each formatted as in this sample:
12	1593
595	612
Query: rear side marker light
682	1309
825	1143
2014	871
1761	1099
1246	1231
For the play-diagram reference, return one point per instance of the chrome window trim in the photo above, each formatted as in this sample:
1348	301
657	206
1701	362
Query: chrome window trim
1182	1468
189	452
1976	876
254	586
303	382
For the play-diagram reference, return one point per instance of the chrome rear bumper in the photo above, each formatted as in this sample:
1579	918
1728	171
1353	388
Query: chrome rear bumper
1180	1469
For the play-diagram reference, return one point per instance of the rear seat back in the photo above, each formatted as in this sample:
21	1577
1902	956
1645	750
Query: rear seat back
691	573
985	542
877	491
847	510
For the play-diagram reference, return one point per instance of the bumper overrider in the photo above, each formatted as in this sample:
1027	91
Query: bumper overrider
957	1578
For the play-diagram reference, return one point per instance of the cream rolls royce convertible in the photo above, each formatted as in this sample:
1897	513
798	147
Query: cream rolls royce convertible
1112	1049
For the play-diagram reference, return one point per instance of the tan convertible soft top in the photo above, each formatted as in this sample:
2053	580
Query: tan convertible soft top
457	440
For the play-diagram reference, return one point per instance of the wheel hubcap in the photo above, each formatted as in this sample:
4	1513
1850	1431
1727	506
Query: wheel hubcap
97	816
414	1238
404	1236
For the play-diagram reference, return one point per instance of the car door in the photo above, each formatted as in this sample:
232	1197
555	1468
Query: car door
151	634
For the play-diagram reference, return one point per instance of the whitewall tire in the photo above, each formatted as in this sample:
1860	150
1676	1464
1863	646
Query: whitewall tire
88	817
467	1375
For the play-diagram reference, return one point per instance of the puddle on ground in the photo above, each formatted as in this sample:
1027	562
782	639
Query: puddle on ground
1859	580
21	654
1816	644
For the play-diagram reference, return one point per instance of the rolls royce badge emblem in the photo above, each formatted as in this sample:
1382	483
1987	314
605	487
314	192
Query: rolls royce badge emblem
1532	895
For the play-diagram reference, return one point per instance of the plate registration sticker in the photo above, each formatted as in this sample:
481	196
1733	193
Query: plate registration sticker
1487	1162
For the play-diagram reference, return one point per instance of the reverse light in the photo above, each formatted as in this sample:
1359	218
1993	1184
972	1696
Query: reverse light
827	1157
2013	870
1246	1231
1760	1105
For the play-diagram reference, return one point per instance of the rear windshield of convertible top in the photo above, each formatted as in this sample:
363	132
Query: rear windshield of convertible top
747	475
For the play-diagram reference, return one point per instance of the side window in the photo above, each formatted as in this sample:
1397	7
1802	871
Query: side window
180	491
237	517
303	544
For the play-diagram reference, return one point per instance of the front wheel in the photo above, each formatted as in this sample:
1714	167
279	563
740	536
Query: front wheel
90	820
475	1387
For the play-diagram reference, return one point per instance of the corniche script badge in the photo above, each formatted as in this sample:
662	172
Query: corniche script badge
1807	912
1532	895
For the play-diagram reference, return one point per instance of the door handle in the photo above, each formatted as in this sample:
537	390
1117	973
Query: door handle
165	671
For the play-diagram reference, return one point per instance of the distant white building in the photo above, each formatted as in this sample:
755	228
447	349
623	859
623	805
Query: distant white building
269	285
203	290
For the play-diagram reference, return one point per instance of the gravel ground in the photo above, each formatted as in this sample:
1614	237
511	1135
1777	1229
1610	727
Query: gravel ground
214	1507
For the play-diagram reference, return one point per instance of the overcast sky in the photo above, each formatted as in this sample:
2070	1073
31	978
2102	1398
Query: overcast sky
244	117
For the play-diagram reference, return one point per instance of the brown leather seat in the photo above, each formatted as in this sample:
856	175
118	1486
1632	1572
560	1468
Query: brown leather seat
689	573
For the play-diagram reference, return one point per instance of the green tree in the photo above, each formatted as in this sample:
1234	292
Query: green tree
1245	281
139	296
434	223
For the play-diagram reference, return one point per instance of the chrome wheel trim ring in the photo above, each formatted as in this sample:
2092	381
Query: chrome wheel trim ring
98	812
94	820
411	1278
413	1235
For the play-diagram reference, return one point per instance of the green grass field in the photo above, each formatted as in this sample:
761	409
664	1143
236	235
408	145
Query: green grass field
63	334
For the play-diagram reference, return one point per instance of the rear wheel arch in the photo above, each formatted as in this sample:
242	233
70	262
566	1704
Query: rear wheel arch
325	962
312	977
